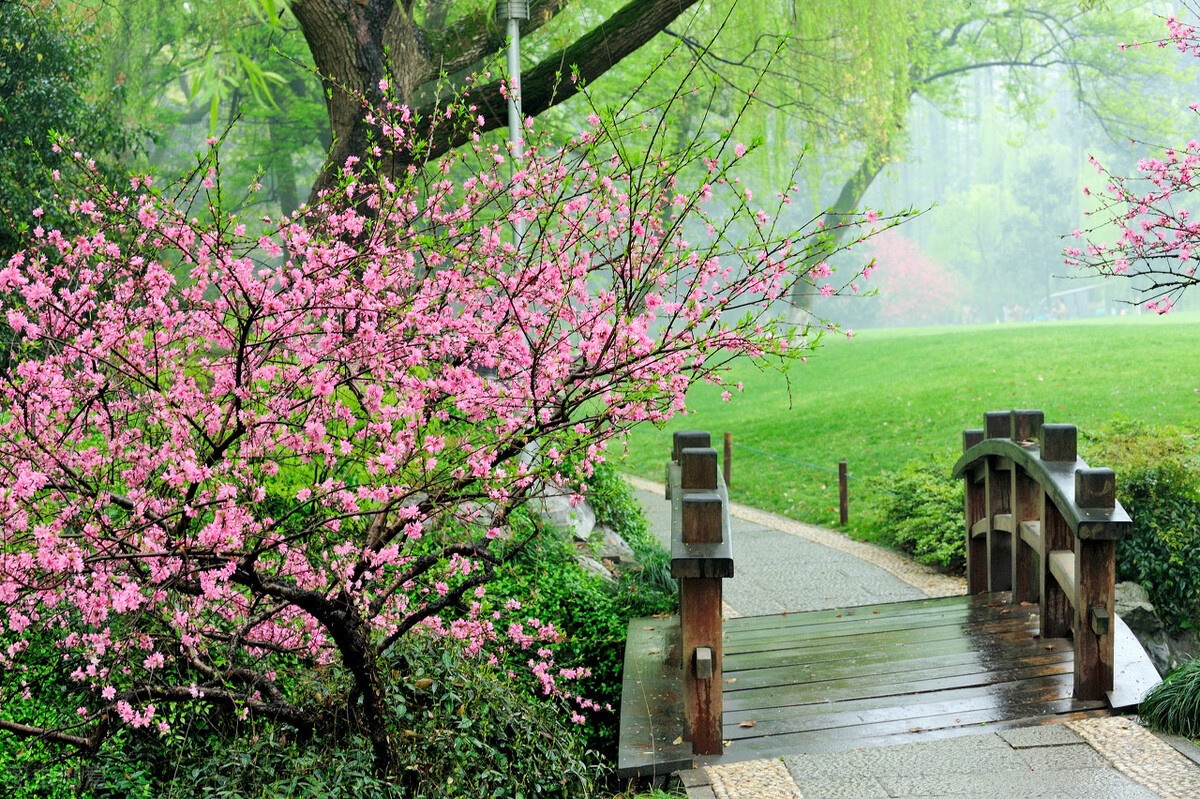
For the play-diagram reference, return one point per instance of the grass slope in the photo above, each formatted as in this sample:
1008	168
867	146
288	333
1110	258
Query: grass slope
889	396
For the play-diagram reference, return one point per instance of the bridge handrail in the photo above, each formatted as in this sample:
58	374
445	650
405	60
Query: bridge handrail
1043	524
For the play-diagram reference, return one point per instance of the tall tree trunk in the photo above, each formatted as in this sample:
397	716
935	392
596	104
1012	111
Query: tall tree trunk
848	199
357	43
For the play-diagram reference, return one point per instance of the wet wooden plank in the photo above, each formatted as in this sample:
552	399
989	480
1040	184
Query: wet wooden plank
652	712
774	746
881	667
933	715
848	639
966	698
940	679
945	605
876	675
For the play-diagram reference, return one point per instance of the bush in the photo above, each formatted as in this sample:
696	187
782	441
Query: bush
1157	476
593	614
1163	551
1174	704
923	513
469	730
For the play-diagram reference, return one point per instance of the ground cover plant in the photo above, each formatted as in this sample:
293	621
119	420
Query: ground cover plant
254	481
887	397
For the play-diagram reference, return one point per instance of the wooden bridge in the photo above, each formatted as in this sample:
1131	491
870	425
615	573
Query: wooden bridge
1035	641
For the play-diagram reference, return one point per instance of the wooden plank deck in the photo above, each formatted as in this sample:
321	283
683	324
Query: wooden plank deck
876	675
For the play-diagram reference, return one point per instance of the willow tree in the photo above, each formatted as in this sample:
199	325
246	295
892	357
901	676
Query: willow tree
843	74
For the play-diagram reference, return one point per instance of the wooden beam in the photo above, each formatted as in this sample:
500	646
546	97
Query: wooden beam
1062	566
1031	534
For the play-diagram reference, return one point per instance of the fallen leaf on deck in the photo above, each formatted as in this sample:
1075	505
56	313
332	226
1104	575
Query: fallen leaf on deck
747	723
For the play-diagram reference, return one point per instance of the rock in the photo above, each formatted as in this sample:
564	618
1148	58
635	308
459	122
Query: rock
557	513
608	545
592	566
1133	605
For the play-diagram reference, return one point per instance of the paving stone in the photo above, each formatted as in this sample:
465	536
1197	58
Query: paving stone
692	778
1097	783
984	752
1079	755
1044	735
851	788
752	779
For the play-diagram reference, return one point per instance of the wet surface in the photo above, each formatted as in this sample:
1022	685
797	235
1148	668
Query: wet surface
878	675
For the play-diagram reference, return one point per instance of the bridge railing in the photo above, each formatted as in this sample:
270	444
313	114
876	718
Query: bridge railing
1043	524
701	557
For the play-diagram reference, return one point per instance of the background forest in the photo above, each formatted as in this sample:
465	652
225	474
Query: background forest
983	113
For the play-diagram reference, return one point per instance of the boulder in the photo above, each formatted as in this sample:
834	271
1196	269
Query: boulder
592	566
1133	605
609	546
557	513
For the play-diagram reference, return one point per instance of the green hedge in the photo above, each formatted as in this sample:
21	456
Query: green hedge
922	513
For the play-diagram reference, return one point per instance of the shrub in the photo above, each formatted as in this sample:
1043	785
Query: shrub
923	513
1174	704
468	729
1156	482
1163	551
591	613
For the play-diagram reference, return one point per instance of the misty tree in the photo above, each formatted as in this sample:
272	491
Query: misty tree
44	63
848	72
223	60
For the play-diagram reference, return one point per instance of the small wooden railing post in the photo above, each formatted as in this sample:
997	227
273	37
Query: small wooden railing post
1026	497
1095	574
975	499
997	484
700	558
1058	445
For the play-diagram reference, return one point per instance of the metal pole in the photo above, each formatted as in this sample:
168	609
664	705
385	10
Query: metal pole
513	12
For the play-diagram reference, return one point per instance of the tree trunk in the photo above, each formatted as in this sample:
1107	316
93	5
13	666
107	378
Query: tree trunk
847	201
357	44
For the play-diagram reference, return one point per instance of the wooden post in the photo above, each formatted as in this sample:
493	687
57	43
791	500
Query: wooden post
1095	565
843	494
997	484
1026	425
700	603
685	439
727	463
1055	607
1027	498
1057	444
975	500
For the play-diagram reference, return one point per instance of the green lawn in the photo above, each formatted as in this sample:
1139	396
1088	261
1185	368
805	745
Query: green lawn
891	395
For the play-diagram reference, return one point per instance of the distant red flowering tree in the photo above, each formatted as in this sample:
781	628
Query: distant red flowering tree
1157	234
227	457
913	290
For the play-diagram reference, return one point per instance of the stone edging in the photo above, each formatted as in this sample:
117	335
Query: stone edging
1140	755
929	581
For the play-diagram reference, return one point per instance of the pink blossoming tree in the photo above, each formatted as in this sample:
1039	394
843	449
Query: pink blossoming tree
227	457
1157	234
